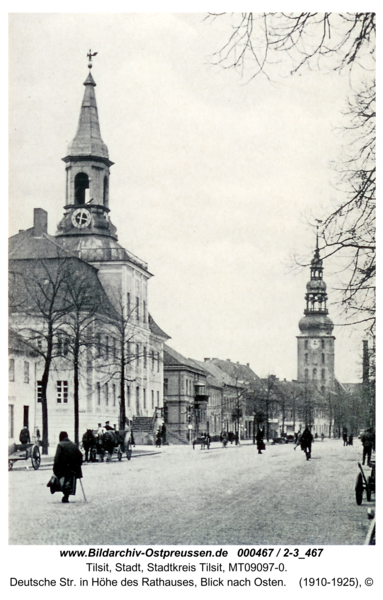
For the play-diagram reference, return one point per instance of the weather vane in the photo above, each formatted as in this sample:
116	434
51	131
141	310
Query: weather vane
90	55
317	226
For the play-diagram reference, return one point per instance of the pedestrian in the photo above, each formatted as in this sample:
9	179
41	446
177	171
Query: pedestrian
108	427
132	439
350	440
297	439
345	437
24	436
225	439
368	442
67	465
158	439
260	442
322	436
306	441
236	437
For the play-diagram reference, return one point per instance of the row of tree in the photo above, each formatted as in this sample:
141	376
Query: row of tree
59	308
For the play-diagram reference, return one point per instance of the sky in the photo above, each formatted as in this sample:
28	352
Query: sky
215	181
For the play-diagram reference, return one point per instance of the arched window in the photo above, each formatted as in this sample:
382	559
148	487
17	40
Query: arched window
323	373
81	183
306	373
306	359
314	373
323	342
322	359
306	344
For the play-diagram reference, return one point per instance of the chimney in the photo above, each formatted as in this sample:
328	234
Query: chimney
40	222
248	364
206	359
228	360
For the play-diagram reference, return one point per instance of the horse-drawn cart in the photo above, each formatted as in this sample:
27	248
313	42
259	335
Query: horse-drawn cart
203	440
18	452
110	442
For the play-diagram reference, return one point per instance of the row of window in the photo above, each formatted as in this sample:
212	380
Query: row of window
106	349
61	392
315	373
134	310
12	375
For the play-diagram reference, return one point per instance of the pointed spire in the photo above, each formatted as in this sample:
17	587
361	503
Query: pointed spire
88	141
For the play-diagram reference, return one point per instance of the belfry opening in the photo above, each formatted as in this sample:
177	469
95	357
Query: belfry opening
81	184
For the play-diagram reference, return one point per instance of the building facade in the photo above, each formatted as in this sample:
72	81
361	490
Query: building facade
123	361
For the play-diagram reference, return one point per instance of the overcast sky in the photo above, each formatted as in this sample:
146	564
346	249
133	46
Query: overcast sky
214	180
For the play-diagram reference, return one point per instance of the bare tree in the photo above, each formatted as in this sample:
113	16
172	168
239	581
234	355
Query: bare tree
40	306
257	41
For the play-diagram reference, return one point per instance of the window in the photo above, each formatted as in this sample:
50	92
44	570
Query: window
323	342
322	359
166	385
39	391
98	345
153	360
62	392
106	394
128	396
314	373
39	344
105	192
138	354
306	373
81	183
323	389
144	397
128	304
144	311
323	373
158	398
152	398
26	371
12	370
145	358
138	400
98	393
113	347
106	353
114	394
128	350
158	362
137	308
306	344
306	359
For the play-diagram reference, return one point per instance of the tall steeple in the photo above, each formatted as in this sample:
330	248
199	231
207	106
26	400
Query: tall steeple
316	342
87	180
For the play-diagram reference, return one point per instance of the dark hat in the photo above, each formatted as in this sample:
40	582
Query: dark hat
63	435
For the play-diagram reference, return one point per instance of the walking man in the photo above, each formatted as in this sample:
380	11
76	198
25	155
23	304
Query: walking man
368	442
67	465
306	441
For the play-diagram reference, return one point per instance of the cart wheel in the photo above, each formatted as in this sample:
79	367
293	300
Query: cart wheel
359	489
128	451
36	459
368	489
119	453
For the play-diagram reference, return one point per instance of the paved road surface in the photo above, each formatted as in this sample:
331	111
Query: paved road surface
220	496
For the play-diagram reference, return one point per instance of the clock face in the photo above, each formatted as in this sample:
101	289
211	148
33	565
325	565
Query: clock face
314	344
81	218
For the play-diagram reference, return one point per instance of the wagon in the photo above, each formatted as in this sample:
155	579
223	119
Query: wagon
363	483
23	452
203	440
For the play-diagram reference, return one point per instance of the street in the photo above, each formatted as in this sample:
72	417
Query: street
217	496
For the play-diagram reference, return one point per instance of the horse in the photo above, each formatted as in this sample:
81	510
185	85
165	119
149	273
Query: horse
89	442
117	439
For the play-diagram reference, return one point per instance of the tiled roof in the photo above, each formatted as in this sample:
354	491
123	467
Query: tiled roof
174	358
156	330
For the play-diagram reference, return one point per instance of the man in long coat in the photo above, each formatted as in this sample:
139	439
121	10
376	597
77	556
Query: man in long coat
67	465
306	441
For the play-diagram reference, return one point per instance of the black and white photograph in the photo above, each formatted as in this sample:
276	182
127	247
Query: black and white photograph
191	261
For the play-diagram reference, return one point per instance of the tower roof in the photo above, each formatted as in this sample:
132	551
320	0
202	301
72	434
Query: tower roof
88	141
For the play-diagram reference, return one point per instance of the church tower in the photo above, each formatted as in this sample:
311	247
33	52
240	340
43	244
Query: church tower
316	342
86	223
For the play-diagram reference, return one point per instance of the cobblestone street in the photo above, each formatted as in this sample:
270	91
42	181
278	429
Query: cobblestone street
220	496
